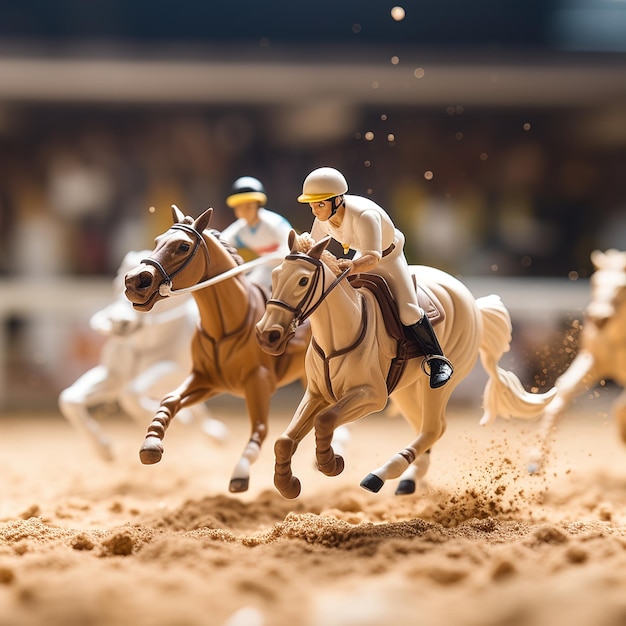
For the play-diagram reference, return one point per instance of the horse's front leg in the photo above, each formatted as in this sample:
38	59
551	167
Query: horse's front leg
579	377
192	391
352	406
285	446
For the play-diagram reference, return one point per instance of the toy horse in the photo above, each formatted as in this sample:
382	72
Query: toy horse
226	357
144	356
352	364
602	353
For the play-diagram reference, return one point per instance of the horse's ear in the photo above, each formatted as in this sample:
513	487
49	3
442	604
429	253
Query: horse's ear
177	215
291	239
319	247
202	222
597	256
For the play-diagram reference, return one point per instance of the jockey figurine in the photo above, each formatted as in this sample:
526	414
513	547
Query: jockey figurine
256	230
360	224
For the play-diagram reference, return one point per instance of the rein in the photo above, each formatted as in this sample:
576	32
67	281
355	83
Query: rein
165	288
300	312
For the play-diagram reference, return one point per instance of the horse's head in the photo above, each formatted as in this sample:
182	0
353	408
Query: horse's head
608	286
298	286
180	252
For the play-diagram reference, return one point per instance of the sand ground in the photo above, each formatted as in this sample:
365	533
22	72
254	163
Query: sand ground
83	542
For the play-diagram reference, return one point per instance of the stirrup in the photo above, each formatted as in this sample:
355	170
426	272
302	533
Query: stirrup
426	360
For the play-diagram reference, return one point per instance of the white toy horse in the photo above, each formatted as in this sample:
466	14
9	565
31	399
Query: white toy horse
352	354
602	353
145	355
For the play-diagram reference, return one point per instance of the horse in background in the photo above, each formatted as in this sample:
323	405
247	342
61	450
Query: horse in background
144	356
602	350
353	353
226	357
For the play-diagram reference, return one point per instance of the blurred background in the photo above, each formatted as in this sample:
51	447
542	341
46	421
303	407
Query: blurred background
494	133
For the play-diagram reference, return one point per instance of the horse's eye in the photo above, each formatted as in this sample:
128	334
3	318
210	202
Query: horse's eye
304	281
184	247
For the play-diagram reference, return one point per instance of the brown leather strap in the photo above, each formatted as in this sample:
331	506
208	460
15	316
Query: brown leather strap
389	250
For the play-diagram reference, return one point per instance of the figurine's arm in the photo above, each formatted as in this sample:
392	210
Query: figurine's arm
363	263
370	238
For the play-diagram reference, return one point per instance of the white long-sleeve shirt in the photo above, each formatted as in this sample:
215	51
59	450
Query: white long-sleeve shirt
269	235
368	229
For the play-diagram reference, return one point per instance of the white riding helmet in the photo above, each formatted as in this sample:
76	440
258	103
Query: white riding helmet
322	184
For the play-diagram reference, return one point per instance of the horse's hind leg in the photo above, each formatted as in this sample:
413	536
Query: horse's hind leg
579	377
416	471
619	410
407	406
92	388
78	415
429	422
258	389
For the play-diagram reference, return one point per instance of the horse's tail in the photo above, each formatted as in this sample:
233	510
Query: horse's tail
504	394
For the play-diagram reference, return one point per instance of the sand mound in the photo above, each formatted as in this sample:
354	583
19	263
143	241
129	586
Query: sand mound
480	543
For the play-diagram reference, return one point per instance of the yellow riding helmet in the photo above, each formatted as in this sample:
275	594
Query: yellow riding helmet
322	184
246	189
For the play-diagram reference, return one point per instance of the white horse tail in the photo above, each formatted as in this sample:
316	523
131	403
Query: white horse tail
504	394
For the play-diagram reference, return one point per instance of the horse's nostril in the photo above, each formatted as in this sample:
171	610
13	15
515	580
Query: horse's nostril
144	280
274	336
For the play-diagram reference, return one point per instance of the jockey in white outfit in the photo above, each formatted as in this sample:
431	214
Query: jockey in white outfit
256	229
360	224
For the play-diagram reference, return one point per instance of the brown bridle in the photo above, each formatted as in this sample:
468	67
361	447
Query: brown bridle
306	306
199	242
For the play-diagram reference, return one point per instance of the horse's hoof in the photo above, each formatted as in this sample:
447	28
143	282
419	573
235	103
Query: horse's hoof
372	483
405	487
151	452
292	490
238	485
339	466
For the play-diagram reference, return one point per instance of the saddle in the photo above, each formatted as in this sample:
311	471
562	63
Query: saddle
407	346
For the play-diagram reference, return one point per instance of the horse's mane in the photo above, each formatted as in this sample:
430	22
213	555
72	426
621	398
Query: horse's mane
218	235
304	242
229	247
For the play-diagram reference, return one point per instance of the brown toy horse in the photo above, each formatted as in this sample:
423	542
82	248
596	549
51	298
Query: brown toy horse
226	357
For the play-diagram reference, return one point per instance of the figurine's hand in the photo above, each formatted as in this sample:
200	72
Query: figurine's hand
346	264
363	263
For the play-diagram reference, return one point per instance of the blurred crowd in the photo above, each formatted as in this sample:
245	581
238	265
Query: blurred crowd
476	192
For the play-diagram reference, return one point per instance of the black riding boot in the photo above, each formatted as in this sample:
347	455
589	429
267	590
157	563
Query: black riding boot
440	367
